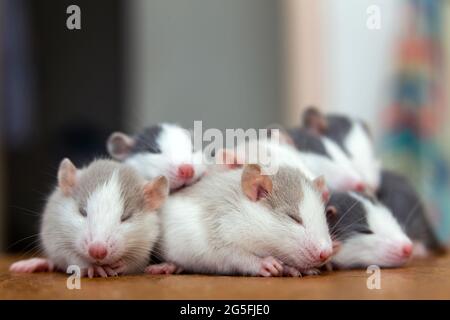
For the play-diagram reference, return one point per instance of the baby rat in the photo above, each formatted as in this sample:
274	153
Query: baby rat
244	222
163	149
101	218
367	231
354	139
397	193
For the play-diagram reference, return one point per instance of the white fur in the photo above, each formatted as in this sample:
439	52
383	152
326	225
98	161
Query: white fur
380	248
363	157
176	149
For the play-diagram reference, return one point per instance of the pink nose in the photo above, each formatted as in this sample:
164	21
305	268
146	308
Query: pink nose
185	171
98	251
407	250
360	187
324	255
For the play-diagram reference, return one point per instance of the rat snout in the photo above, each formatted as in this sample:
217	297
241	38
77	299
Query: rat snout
186	171
406	250
98	250
360	187
325	254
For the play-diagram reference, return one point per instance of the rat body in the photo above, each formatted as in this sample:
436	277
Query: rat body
244	222
101	218
367	231
163	149
397	193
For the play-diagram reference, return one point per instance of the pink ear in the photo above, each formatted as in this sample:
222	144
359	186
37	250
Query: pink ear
156	192
67	176
119	145
255	185
228	158
321	186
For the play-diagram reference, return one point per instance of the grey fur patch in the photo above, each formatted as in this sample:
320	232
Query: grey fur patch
146	141
99	173
307	142
397	193
338	128
350	217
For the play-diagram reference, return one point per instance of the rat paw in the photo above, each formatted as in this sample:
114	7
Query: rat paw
271	267
163	268
32	265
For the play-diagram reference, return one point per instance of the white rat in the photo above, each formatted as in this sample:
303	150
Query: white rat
101	218
163	149
247	223
367	231
352	138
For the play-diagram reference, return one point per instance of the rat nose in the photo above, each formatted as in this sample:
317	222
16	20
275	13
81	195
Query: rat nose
98	251
407	250
186	171
360	187
325	254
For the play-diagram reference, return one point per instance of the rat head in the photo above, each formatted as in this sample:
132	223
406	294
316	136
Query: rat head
109	211
289	216
164	149
354	139
322	156
367	231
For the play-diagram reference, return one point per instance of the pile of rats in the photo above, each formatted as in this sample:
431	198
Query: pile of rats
156	207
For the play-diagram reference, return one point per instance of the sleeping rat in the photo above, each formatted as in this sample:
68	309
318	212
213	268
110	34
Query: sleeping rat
245	222
367	231
101	218
352	137
163	149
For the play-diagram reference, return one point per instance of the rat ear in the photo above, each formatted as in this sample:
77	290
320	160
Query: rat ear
321	186
314	120
228	158
156	192
67	176
254	184
331	211
119	145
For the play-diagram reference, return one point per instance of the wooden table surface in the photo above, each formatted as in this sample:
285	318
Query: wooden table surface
425	279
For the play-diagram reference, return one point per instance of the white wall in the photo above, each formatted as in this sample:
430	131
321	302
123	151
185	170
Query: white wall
211	60
359	58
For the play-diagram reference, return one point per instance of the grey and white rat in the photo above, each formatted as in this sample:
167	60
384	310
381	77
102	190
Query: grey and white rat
247	223
101	218
163	149
367	231
397	193
353	138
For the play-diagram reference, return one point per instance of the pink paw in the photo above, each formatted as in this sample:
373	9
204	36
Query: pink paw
106	271
271	267
311	272
163	268
32	265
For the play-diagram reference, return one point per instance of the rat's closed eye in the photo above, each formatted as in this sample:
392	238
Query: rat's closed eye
83	212
297	219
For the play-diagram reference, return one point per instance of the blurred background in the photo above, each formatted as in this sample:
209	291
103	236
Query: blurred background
229	63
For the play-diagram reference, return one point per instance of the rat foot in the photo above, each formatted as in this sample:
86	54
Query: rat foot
163	268
32	265
106	271
271	267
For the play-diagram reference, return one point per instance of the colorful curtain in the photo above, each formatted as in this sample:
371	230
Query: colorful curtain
417	123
